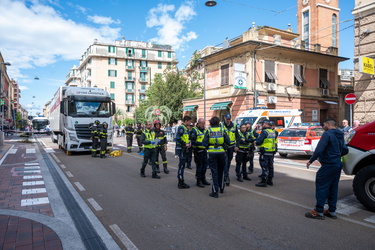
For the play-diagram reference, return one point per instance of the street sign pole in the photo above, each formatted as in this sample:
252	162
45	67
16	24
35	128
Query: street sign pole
350	99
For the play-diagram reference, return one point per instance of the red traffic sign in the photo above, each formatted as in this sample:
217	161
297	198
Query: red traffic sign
157	111
350	98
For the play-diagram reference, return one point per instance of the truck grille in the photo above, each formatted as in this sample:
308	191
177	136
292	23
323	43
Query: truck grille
83	131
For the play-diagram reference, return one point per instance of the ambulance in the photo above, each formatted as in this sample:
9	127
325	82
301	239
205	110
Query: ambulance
283	118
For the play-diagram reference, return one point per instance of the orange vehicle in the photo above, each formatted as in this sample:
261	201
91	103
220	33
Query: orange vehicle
300	140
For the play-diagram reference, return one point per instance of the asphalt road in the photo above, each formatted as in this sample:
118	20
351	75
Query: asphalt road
148	213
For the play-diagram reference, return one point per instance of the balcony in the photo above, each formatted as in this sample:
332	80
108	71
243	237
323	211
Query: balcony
129	78
129	90
129	102
143	69
143	79
129	67
142	91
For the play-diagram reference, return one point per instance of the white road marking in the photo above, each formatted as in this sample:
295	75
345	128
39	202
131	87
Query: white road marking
49	150
32	164
371	219
55	158
34	191
32	177
123	238
94	204
62	166
32	183
348	205
36	167
69	174
37	201
79	186
30	151
2	159
12	151
32	172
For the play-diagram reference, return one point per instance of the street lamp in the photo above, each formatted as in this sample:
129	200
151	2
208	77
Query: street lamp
210	3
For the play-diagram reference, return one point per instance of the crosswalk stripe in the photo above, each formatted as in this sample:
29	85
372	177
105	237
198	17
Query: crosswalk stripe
49	150
32	177
12	151
32	164
371	219
32	183
36	201
30	151
348	205
34	191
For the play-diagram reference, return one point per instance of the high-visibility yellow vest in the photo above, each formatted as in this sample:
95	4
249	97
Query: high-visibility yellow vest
150	136
216	139
243	137
185	136
231	132
200	136
270	142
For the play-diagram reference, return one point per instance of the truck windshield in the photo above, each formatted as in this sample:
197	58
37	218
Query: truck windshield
90	109
39	124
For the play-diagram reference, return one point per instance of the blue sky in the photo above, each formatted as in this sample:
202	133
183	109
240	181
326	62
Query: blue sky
45	38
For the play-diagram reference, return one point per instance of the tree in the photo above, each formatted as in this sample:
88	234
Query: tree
118	117
164	117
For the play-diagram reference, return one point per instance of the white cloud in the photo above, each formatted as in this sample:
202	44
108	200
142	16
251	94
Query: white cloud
170	27
38	35
23	87
103	20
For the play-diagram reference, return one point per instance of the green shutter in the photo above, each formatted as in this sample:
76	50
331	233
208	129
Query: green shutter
159	53
112	96
169	54
115	61
112	85
109	48
115	72
109	60
109	72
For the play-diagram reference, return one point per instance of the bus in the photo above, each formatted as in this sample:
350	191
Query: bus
40	125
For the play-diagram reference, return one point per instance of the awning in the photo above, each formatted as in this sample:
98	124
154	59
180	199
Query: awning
189	108
220	105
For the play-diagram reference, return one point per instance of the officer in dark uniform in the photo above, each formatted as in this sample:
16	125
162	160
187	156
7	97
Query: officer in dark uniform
138	133
129	131
266	143
243	142
103	134
232	133
200	152
148	141
94	137
216	139
183	141
189	156
252	133
161	147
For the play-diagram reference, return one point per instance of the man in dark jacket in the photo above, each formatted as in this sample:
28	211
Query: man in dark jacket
129	131
328	151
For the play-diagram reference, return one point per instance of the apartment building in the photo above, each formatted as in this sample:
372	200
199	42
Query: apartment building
124	68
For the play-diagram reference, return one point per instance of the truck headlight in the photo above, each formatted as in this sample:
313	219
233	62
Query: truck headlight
73	137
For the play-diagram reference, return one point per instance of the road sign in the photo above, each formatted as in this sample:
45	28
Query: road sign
350	98
157	111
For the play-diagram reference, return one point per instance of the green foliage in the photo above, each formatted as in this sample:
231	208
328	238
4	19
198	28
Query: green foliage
118	117
127	121
164	117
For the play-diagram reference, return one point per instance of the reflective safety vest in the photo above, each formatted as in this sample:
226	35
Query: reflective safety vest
200	136
216	139
185	136
94	132
243	137
231	133
150	136
269	144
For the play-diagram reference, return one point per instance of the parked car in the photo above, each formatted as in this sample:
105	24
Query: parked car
300	140
360	161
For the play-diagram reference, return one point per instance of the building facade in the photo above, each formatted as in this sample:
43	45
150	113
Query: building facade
125	69
364	47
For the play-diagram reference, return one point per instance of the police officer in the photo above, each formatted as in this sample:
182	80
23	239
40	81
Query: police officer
189	156
148	141
183	142
161	147
129	132
200	152
138	133
243	142
266	143
103	134
232	133
94	137
253	134
216	139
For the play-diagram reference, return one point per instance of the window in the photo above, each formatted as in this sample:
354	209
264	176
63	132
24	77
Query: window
130	51
112	96
169	65
128	108
129	62
169	54
130	85
143	75
224	75
89	61
306	28
130	77
112	72
129	97
323	79
269	71
160	65
143	53
334	30
160	53
112	85
143	63
111	49
142	97
112	61
298	75
143	86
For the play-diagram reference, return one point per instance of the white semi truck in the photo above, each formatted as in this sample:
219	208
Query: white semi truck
72	110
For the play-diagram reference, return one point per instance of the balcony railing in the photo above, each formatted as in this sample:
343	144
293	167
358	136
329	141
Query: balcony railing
130	67
129	78
130	90
129	102
143	79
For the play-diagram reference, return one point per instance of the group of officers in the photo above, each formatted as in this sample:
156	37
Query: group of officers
213	148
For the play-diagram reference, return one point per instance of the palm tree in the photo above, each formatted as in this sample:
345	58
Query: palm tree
118	116
164	117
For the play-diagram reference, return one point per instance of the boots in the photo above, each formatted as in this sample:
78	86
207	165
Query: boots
205	182
182	184
214	195
93	154
262	183
103	156
143	173
155	176
269	181
166	171
200	184
227	180
157	169
239	178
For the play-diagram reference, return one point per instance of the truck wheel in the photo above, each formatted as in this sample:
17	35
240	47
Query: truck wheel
283	155
364	186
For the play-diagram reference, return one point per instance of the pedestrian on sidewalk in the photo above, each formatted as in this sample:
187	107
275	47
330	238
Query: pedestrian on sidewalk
329	150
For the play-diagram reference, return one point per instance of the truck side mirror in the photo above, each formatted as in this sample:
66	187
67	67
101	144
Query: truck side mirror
113	108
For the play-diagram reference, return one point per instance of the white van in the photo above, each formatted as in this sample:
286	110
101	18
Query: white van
283	118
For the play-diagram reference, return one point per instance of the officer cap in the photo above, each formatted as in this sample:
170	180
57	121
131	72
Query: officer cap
267	121
227	116
248	122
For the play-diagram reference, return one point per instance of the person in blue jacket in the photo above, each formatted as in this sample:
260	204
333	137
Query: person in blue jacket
328	151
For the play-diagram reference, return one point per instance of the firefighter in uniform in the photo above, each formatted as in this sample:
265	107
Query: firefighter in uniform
161	147
148	141
200	152
243	142
216	139
138	133
103	134
232	133
183	141
129	131
266	143
94	127
252	133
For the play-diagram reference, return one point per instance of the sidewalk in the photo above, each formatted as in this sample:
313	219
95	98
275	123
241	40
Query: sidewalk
34	212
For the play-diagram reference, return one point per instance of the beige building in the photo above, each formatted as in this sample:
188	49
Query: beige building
124	68
364	41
